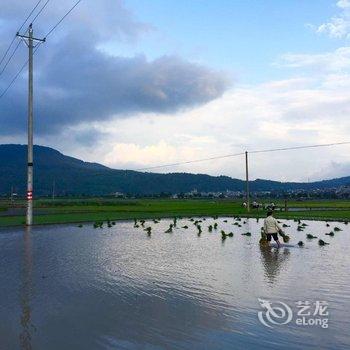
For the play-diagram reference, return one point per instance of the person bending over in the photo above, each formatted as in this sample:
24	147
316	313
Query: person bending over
272	228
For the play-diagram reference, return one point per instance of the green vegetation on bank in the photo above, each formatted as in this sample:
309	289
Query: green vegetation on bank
85	210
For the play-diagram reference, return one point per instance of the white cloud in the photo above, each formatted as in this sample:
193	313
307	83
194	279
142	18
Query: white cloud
312	107
344	4
338	26
338	60
291	112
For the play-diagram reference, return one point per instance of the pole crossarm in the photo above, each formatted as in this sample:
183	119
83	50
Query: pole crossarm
27	37
30	37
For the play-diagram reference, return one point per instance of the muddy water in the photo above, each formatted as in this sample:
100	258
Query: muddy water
64	287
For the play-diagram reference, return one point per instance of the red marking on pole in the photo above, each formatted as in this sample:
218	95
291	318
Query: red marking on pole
30	195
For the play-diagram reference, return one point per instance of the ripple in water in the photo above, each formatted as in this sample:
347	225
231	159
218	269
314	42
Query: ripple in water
65	287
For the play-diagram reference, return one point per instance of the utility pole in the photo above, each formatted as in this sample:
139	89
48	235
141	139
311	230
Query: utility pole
247	182
29	40
11	195
53	189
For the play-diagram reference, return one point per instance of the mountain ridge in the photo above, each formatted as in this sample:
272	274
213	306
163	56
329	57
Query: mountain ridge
73	176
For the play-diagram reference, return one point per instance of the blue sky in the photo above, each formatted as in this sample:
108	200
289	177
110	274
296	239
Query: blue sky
241	37
135	83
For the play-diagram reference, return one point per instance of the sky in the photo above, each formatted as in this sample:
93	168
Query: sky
135	84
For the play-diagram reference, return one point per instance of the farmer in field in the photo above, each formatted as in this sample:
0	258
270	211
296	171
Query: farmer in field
272	228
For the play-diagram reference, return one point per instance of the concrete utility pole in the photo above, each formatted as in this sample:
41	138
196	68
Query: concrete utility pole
247	182
53	189
29	40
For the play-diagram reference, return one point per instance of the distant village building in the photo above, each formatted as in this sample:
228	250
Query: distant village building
119	195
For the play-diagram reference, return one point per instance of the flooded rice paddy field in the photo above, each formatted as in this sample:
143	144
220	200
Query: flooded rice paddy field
65	287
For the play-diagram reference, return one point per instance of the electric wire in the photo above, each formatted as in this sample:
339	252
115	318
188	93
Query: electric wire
48	33
62	19
40	11
18	73
19	29
10	58
242	153
191	161
300	147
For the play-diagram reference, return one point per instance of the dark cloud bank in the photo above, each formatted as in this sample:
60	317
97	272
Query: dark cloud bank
76	82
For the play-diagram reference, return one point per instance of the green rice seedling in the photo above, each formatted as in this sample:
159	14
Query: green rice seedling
330	234
224	234
246	234
98	224
322	242
337	229
170	229
285	237
309	236
300	243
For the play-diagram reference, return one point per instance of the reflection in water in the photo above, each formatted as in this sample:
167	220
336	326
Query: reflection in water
273	260
116	288
26	291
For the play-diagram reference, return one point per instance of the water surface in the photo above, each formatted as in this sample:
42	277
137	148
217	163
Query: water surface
64	287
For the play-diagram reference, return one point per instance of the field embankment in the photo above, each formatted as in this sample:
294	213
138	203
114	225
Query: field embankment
85	210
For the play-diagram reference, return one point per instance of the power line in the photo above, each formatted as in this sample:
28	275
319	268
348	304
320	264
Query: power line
242	153
300	147
40	11
20	28
191	161
10	58
49	33
7	50
62	19
18	73
31	12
